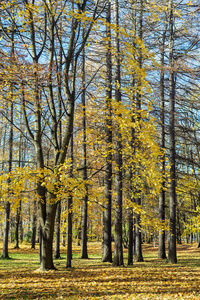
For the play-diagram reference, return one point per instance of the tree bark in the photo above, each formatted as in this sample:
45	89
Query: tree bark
172	256
131	225
70	207
57	232
17	219
130	235
7	205
47	231
4	253
118	250
84	253
21	234
138	237
107	237
178	228
161	246
34	225
138	240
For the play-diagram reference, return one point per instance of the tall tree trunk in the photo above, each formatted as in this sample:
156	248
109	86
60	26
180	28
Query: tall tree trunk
34	224
131	225
79	223
138	239
40	244
21	234
133	234
138	236
7	205
11	229
21	163
64	231
17	219
70	204
57	232
4	143
84	253
4	253
130	236
47	239
107	237
58	211
47	211
161	247
178	228
172	256
118	250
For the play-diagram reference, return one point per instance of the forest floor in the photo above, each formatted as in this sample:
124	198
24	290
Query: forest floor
91	279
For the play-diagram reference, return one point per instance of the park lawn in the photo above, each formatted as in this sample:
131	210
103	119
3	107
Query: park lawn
92	279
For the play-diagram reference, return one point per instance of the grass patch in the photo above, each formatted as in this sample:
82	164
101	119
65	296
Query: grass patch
92	279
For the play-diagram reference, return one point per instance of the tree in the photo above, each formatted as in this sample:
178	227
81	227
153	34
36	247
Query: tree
138	237
84	253
172	185
70	204
7	204
161	251
44	117
118	250
107	237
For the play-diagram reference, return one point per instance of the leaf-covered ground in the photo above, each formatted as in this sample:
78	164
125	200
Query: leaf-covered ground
92	279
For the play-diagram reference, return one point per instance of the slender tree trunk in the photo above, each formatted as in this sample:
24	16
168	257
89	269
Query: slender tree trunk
7	205
64	231
58	211
178	228
138	240
7	213
172	256
40	243
17	219
29	216
11	229
133	235
57	232
118	250
4	144
69	233
21	235
79	222
161	247
138	237
4	253
84	253
130	235
21	163
131	227
34	225
107	237
70	204
84	228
